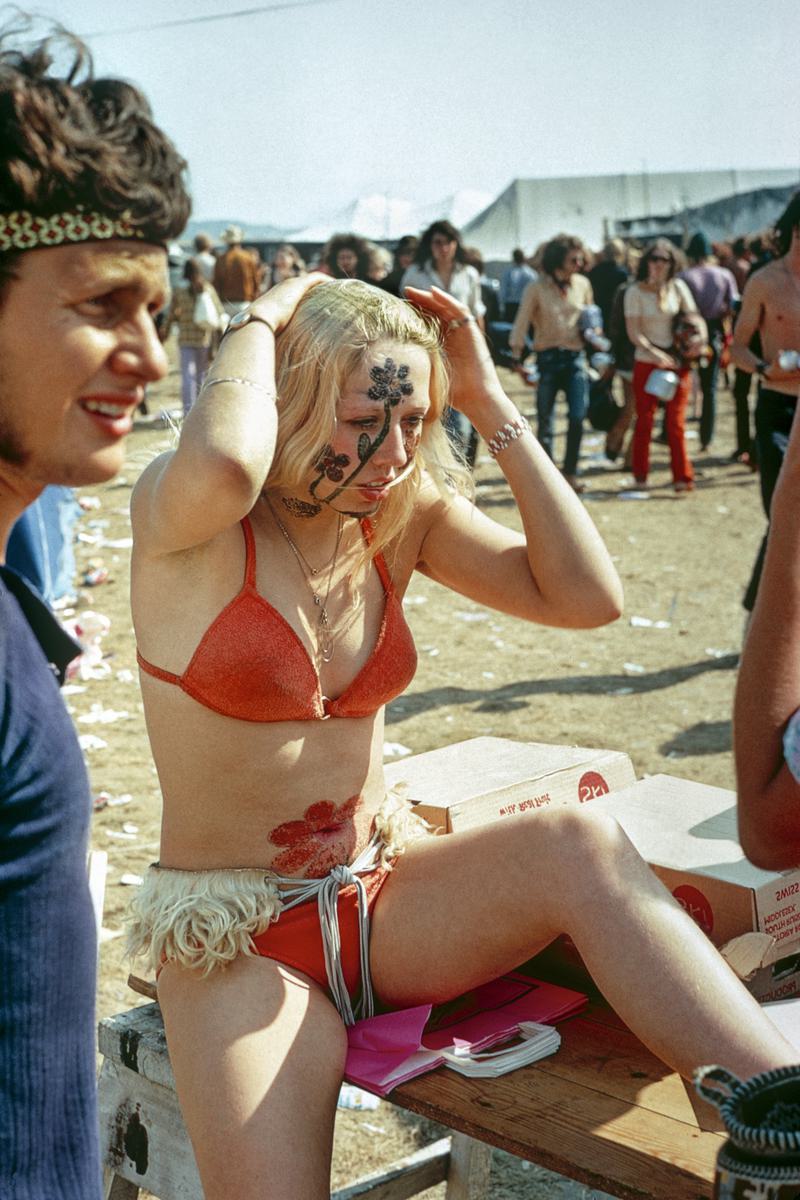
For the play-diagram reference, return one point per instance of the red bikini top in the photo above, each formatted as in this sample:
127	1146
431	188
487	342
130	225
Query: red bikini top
251	665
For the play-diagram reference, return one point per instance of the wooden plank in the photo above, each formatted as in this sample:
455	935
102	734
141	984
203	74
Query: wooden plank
602	1053
603	1110
145	987
136	1040
407	1177
116	1188
470	1168
142	1135
579	1132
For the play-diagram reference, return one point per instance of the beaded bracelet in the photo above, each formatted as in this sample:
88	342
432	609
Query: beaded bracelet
507	434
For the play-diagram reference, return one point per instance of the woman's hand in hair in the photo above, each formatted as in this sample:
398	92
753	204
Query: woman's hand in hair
473	377
279	304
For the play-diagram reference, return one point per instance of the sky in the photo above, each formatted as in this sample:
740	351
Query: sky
287	115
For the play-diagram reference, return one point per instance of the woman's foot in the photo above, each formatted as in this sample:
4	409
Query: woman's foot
684	485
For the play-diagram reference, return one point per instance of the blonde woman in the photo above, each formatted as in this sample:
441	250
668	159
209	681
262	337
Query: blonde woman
272	551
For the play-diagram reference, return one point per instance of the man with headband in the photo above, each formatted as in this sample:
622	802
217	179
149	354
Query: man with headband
90	191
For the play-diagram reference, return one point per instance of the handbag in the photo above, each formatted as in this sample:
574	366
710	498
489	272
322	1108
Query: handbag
603	411
205	312
393	1047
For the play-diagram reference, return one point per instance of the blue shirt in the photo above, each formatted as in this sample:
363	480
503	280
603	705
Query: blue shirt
48	951
514	281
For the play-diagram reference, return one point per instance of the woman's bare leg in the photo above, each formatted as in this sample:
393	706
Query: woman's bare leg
258	1053
461	909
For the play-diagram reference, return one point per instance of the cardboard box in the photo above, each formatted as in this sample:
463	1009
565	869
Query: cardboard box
688	833
484	779
779	981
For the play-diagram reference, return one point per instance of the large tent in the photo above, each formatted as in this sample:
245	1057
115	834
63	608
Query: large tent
531	210
385	218
720	220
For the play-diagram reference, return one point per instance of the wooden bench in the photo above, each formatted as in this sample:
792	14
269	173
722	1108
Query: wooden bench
603	1111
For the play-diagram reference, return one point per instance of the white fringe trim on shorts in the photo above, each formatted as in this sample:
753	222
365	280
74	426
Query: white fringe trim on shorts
206	919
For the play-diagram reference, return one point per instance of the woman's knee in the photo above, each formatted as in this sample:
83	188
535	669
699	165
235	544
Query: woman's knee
589	843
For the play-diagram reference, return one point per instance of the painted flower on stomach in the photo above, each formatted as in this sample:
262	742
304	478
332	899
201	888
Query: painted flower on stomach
324	838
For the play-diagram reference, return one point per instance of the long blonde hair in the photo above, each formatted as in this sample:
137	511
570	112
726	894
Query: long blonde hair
333	328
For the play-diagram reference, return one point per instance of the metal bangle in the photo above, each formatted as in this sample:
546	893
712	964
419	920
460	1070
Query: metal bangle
261	387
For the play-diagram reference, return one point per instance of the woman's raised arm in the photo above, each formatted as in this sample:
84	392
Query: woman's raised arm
558	571
215	474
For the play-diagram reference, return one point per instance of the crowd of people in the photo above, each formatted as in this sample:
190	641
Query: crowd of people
314	473
660	281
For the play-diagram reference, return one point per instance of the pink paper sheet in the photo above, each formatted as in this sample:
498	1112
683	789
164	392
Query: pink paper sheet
386	1050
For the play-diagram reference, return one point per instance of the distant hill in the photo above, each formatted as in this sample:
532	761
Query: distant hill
215	227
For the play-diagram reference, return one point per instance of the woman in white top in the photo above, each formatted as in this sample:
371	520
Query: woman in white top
651	306
442	262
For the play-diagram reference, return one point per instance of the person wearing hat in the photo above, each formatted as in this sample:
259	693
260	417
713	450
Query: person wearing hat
715	294
91	192
236	274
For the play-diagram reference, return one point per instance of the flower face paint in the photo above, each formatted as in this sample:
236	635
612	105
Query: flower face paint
379	425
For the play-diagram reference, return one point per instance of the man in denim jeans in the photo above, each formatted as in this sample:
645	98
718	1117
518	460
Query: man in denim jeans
552	305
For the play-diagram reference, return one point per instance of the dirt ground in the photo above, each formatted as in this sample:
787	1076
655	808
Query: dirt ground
663	694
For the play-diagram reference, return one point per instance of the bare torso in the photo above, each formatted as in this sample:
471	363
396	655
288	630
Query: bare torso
771	305
232	786
780	311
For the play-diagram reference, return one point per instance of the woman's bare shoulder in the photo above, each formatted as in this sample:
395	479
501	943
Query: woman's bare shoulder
430	504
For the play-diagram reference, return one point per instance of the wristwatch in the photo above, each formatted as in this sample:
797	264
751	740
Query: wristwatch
240	319
761	367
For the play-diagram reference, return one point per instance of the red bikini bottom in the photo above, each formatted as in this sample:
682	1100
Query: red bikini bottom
295	939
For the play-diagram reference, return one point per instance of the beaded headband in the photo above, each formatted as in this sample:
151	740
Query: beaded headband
27	231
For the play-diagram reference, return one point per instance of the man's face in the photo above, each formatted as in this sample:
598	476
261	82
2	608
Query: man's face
573	262
77	347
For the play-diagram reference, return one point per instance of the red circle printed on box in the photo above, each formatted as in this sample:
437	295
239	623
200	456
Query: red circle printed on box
696	905
591	785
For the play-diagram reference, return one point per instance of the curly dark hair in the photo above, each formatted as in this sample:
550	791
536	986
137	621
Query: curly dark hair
71	139
555	252
347	241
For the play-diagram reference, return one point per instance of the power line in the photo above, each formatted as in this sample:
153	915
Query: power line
242	12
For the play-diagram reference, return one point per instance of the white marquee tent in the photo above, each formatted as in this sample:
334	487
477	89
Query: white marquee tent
387	218
531	210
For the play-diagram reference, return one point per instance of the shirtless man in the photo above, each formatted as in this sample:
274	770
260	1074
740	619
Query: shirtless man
771	307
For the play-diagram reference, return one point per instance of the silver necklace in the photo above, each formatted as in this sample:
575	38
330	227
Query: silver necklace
325	635
312	571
